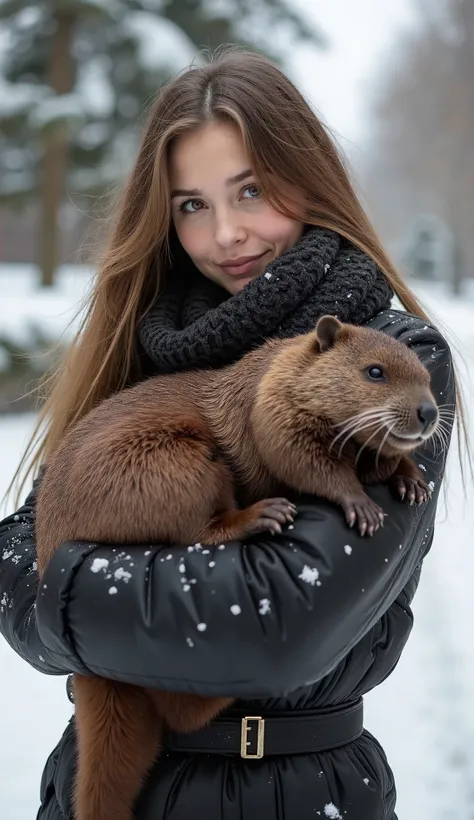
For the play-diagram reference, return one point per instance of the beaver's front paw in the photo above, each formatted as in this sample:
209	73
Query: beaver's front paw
362	510
413	489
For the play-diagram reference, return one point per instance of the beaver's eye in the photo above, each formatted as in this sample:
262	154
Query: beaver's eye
375	372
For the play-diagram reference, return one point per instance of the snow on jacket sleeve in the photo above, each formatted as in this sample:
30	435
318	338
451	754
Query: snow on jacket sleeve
18	590
253	619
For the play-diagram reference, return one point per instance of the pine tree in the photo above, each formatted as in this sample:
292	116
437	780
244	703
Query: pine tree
76	75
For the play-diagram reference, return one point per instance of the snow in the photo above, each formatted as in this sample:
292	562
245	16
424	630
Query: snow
121	574
264	606
161	44
18	98
49	310
56	107
422	714
309	575
95	89
98	564
331	811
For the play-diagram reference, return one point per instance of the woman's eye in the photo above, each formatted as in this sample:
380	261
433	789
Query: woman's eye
190	210
252	190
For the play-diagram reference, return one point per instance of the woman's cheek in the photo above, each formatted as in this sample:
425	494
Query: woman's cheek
193	238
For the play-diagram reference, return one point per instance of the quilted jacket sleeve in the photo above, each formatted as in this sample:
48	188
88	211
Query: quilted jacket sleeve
252	619
18	590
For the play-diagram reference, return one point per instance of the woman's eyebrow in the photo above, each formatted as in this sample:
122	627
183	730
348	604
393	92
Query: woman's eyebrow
231	181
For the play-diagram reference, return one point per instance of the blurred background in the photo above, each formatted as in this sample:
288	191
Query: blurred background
394	83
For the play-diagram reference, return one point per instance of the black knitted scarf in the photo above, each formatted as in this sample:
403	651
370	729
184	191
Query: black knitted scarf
195	323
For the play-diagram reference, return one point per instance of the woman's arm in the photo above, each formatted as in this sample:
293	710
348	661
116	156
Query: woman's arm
18	589
244	620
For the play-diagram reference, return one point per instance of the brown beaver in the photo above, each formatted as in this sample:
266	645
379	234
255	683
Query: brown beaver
165	461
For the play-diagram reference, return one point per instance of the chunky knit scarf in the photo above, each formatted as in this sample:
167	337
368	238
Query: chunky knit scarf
195	323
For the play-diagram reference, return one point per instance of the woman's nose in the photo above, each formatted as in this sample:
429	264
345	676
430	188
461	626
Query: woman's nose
229	229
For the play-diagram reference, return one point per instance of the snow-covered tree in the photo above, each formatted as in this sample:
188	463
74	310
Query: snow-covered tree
75	75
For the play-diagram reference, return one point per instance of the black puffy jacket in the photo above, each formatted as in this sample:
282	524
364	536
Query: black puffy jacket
309	646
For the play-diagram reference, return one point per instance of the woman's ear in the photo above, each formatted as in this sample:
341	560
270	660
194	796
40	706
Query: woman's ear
327	331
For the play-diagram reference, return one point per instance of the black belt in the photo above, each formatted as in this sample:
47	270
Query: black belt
273	733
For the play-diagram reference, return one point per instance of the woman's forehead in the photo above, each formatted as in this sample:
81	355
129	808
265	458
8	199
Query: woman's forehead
212	152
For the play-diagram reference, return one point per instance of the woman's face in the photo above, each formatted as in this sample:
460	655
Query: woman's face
222	220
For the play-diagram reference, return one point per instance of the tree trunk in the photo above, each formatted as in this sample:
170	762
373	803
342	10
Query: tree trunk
56	148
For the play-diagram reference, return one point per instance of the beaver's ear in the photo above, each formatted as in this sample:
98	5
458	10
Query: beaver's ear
327	331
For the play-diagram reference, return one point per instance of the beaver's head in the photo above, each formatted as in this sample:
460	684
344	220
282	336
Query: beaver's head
373	388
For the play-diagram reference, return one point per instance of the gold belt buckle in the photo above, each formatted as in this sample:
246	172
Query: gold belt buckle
245	742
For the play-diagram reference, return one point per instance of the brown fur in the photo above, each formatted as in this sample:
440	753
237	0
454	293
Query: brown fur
165	462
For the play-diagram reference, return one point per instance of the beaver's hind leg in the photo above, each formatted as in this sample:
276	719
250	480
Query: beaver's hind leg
118	739
191	477
232	524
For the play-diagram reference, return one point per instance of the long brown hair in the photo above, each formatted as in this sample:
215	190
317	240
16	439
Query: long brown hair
287	146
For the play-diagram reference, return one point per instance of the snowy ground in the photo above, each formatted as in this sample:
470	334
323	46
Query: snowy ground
423	714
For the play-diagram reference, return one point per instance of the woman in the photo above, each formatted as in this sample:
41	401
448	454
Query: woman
238	223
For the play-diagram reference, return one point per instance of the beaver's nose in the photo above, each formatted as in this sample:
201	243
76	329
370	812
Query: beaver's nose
427	414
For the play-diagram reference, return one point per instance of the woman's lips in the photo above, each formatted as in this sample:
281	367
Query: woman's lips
241	268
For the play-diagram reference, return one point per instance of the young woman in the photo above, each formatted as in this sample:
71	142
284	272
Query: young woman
238	223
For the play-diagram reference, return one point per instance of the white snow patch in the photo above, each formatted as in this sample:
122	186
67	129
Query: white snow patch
57	107
348	549
235	609
98	564
121	574
264	606
161	43
113	591
202	627
309	574
330	810
267	275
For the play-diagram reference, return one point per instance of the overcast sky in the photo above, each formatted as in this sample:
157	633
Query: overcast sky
338	81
